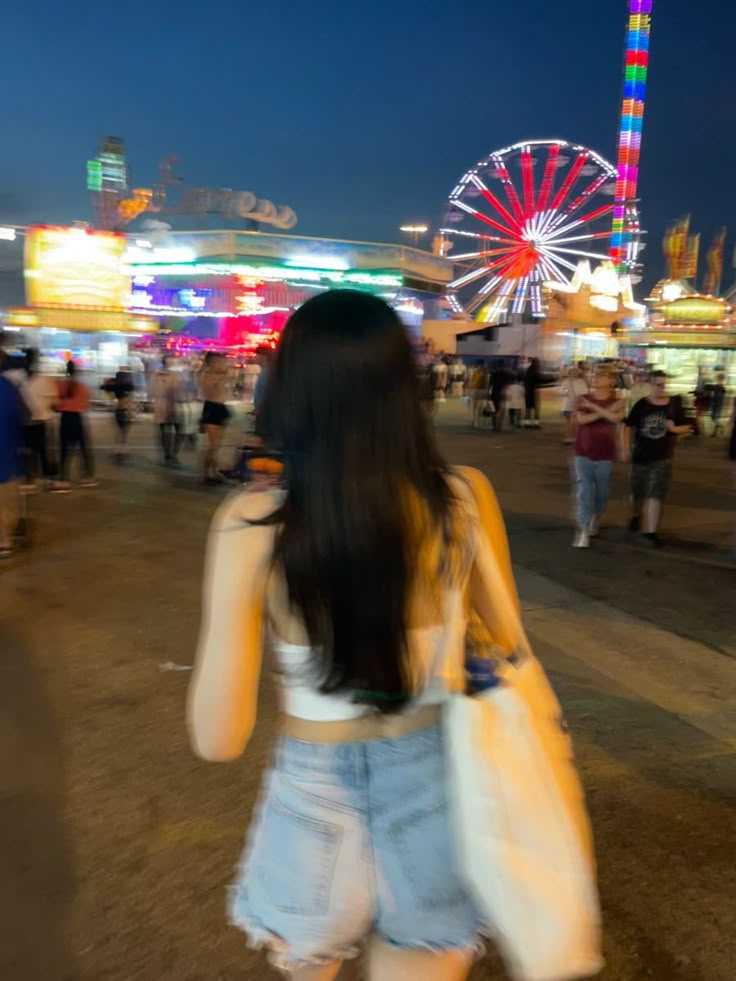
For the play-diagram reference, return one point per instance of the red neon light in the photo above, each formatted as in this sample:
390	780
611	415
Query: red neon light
528	182
505	214
510	190
500	265
490	221
548	179
595	214
569	181
589	190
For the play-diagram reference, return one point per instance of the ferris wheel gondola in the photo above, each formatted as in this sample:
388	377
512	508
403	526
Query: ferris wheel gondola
524	215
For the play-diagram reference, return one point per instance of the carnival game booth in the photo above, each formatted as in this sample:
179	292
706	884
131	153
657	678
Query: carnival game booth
237	288
585	317
78	294
685	334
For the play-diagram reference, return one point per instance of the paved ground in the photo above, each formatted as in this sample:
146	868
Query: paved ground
117	843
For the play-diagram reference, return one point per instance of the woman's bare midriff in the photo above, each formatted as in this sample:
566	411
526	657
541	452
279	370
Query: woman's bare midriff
367	727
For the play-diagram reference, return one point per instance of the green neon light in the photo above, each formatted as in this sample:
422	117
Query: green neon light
269	273
94	175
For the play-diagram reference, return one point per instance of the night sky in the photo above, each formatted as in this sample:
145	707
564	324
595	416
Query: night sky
360	116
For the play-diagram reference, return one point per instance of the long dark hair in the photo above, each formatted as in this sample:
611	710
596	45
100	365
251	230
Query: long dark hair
342	405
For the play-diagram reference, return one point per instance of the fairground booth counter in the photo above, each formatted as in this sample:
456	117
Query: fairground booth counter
235	289
586	317
78	295
684	333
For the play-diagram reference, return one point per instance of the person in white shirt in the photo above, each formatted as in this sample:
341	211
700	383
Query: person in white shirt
40	393
514	396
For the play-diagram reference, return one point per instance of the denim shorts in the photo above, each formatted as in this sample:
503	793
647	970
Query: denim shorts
353	839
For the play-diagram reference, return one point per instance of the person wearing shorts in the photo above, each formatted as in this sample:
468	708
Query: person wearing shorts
650	435
215	414
121	388
362	601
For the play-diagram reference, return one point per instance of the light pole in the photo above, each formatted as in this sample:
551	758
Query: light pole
415	231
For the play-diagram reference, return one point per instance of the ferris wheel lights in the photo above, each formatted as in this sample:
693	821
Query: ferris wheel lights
534	229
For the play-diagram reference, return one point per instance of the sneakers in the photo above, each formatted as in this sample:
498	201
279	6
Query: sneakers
61	487
581	540
89	482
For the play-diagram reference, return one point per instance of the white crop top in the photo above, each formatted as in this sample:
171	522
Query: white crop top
436	656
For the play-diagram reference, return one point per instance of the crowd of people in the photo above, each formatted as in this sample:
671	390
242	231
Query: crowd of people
495	393
44	422
612	410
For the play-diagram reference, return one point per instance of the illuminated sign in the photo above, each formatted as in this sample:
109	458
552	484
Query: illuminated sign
336	277
76	267
696	310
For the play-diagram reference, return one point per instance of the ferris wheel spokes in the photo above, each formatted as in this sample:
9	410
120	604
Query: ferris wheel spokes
493	200
534	238
548	178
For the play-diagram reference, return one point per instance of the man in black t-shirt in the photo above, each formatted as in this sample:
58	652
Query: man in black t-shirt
650	434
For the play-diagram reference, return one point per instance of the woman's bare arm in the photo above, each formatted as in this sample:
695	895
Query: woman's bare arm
223	694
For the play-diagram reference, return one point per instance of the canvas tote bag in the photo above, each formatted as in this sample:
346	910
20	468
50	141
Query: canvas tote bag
519	821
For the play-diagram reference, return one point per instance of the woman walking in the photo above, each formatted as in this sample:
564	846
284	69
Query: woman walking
72	403
599	415
360	571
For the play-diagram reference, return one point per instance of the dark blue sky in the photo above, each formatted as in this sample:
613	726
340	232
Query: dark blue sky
359	115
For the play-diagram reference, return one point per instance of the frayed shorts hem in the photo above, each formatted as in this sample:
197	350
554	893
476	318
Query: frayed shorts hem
282	959
280	956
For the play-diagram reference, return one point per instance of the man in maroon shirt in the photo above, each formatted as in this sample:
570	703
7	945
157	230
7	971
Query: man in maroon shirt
598	415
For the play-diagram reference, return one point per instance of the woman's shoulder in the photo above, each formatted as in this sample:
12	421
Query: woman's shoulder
469	480
243	507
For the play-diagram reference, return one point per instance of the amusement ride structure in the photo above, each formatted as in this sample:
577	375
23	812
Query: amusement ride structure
528	213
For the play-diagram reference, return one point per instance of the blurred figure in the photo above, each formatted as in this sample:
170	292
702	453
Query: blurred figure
701	400
215	414
640	389
40	393
350	566
498	382
72	403
574	386
532	383
165	389
13	415
515	402
121	388
251	371
264	357
478	392
717	394
439	373
732	458
457	378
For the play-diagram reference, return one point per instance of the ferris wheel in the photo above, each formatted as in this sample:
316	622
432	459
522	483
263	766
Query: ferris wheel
522	216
